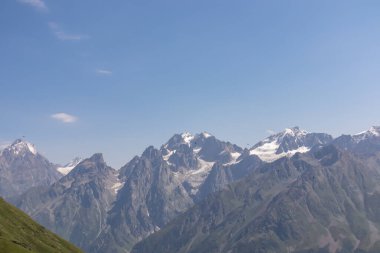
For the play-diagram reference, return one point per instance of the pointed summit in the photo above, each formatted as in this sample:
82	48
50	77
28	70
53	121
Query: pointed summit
82	197
97	158
187	137
179	139
22	168
366	142
17	141
206	134
150	152
374	131
20	146
294	131
95	164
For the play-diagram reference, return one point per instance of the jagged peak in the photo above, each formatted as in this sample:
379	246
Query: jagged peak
287	132
20	146
95	161
97	158
187	137
179	139
206	134
373	131
294	131
286	143
17	141
150	152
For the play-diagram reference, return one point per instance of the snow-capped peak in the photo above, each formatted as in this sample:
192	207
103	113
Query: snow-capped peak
20	146
294	131
286	143
68	167
372	132
375	130
177	140
187	137
206	135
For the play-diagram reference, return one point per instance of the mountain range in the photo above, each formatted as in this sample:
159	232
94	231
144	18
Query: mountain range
326	200
199	194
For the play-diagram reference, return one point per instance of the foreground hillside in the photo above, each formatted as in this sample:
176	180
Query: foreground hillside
19	234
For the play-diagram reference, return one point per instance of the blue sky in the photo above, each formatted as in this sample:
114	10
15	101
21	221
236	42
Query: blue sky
79	77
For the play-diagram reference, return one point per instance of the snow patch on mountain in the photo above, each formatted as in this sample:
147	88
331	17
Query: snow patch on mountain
204	167
64	170
196	177
295	131
235	156
187	137
292	140
117	186
372	132
206	135
190	166
170	153
267	151
31	148
19	147
196	150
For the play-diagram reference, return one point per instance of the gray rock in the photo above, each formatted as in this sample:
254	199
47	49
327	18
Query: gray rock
326	200
162	184
76	206
22	167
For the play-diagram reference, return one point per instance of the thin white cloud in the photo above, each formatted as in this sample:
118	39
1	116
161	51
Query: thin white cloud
64	117
37	4
60	34
104	72
270	131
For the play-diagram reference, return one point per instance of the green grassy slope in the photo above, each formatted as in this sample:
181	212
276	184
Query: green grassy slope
19	234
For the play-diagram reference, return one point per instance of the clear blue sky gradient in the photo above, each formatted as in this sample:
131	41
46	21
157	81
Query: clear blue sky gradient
233	68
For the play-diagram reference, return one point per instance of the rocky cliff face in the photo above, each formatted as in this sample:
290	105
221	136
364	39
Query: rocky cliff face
163	183
76	206
324	201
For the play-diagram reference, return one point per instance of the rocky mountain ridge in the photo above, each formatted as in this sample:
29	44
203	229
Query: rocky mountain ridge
105	210
322	201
